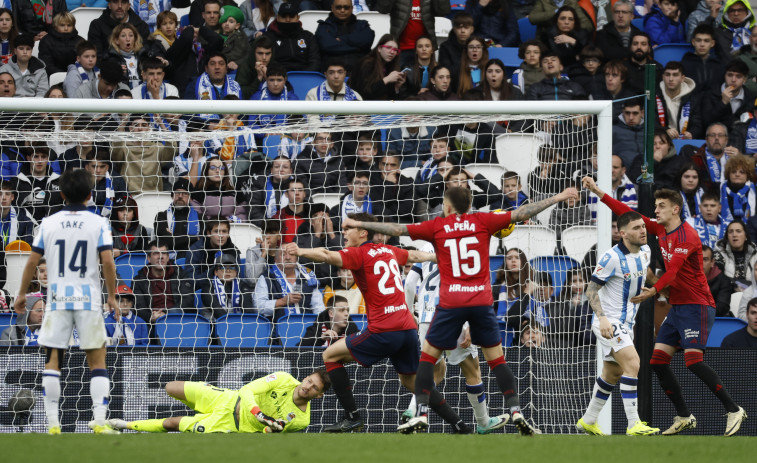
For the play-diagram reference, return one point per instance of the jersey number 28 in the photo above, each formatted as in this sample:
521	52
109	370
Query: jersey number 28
385	270
458	250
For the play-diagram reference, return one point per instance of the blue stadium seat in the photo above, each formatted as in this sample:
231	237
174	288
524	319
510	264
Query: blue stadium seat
671	52
243	330
360	319
508	56
680	143
6	320
184	21
495	263
127	265
291	329
557	267
181	262
639	23
183	330
457	5
722	327
303	81
527	30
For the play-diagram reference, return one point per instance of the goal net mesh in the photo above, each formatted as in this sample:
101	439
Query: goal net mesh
217	302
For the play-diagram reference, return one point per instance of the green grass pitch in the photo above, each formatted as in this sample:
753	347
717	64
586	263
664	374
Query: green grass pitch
369	448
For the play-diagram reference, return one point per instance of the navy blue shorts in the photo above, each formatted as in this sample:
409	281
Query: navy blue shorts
687	326
401	347
447	323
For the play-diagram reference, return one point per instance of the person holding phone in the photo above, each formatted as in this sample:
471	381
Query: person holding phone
377	76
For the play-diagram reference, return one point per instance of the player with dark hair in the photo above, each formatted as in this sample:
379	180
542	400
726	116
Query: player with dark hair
461	241
391	331
689	321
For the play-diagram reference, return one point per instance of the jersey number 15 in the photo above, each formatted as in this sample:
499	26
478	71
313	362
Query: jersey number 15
458	250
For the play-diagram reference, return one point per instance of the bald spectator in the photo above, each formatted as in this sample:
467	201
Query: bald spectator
117	12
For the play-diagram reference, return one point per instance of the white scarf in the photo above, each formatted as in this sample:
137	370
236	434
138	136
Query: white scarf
11	224
124	330
349	206
236	296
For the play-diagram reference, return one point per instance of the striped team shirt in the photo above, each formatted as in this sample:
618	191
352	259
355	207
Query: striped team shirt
428	291
621	275
71	241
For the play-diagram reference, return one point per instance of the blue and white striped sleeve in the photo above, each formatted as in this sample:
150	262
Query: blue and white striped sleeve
605	268
38	245
105	240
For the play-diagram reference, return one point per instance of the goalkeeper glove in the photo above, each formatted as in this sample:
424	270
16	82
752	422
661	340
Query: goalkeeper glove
272	423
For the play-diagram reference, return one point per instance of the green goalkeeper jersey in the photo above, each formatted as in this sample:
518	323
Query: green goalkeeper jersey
274	395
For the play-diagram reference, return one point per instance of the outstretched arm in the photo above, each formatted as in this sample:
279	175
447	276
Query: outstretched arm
616	206
592	294
527	211
314	254
420	256
391	229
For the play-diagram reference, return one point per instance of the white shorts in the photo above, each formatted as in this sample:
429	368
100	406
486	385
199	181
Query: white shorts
622	338
454	356
58	325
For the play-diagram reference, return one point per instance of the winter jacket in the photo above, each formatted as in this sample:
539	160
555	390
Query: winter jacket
247	75
101	28
40	198
312	336
716	111
132	322
726	261
32	84
720	287
58	51
706	73
450	56
568	53
662	29
558	88
495	22
627	141
350	40
593	84
724	29
297	52
74	80
180	239
142	163
697	17
611	43
217	204
635	78
26	19
181	291
327	175
748	56
525	76
236	47
88	89
544	12
393	202
665	170
400	10
307	238
201	259
378	90
132	239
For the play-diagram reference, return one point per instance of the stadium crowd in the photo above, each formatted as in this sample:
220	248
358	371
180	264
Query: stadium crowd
588	49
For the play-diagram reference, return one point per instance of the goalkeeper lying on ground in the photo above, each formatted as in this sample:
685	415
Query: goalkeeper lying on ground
275	403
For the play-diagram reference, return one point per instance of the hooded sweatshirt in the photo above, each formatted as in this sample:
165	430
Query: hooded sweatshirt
674	103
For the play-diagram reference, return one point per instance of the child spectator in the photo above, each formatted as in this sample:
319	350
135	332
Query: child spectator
227	292
154	86
214	195
529	72
475	56
125	46
275	88
588	70
513	281
495	21
37	184
452	50
663	23
203	252
236	47
58	48
332	324
25	331
365	155
258	15
691	191
512	196
709	224
83	70
8	32
128	234
28	72
148	10
565	36
417	79
332	89
122	325
737	194
704	66
377	76
736	255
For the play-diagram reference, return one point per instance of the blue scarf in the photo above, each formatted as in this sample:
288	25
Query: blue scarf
713	166
30	337
322	94
428	169
205	90
741	202
271	205
193	221
148	10
685	212
110	195
751	137
84	74
475	75
286	288
350	207
146	94
424	77
709	233
236	296
265	95
9	229
740	35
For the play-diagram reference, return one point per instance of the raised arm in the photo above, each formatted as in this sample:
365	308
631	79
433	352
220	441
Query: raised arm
314	254
391	229
592	294
420	256
527	211
616	206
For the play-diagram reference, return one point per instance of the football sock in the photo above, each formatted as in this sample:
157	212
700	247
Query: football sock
340	381
695	363
599	396
630	398
505	382
438	404
147	425
477	398
412	404
51	391
424	382
661	365
99	390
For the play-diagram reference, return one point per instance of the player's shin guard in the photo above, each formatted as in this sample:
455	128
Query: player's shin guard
630	399
438	404
477	398
695	364
51	391
424	382
599	396
147	425
99	390
340	381
505	382
661	365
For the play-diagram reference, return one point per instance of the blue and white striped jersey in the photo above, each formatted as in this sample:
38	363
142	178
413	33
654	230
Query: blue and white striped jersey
428	290
71	241
621	275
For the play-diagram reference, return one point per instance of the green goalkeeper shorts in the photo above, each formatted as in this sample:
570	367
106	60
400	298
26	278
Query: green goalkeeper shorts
215	407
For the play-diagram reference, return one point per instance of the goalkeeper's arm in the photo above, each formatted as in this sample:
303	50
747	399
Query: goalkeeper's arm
272	424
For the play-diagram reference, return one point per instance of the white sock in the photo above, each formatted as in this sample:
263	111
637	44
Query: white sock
51	388
412	405
599	397
99	389
630	396
477	398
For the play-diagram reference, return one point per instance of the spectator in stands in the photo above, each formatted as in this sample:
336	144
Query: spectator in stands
628	132
565	35
392	193
727	103
332	89
568	319
704	66
229	147
663	23
641	55
410	19
25	332
105	85
6	301
733	31
214	196
687	182
472	62
377	76
512	195
263	195
197	10
615	75
8	32
554	86
737	194
257	16
711	157
748	54
37	184
125	47
587	71
83	70
142	159
736	255
357	199
667	166
342	34
622	188
332	324
35	19
720	285
159	288
432	187
122	325
275	88
203	252
154	86
258	258
227	293
236	47
529	72
680	113
107	187
705	9
27	71
118	12
15	223
39	284
495	21
460	177
128	234
410	142
319	231
214	83
474	141
615	37
745	337
296	49
417	78
58	48
321	165
549	177
569	213
746	296
532	334
179	225
440	88
439	152
452	50
536	306
288	288
709	224
252	72
345	286
545	11
296	211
